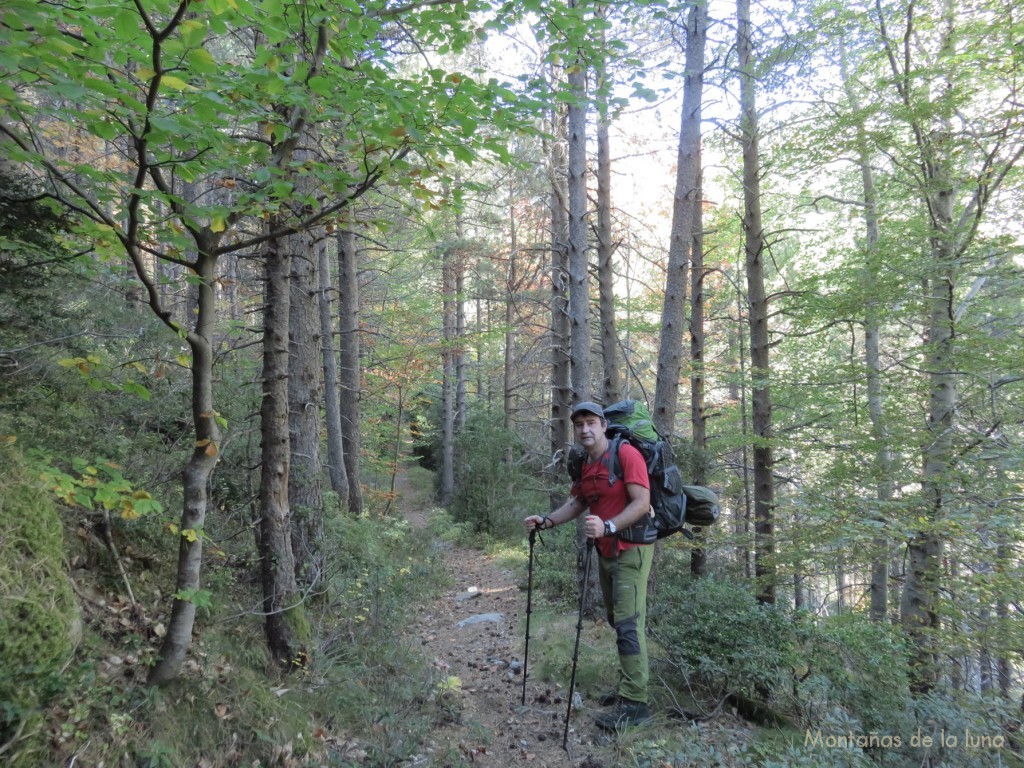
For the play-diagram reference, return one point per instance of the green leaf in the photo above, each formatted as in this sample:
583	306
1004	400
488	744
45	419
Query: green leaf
138	390
193	32
126	24
201	598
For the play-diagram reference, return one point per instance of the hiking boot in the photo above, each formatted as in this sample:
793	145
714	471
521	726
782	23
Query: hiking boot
608	698
626	714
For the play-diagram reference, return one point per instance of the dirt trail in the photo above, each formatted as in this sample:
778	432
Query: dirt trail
473	633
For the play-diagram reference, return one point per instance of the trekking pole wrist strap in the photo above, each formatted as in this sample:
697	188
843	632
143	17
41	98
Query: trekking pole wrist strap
544	523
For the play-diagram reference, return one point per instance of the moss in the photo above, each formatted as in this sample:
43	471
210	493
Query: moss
37	606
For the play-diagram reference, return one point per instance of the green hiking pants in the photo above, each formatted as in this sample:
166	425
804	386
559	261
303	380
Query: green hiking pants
624	586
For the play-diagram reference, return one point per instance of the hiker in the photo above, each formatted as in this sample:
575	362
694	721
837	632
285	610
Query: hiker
623	567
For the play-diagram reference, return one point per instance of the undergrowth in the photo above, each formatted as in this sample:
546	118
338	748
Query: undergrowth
366	698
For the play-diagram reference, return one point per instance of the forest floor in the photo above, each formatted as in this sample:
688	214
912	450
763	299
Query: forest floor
474	636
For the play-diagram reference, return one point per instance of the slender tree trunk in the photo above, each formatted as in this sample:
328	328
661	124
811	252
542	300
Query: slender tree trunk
1004	667
332	392
510	325
738	394
561	387
612	390
284	614
685	204
879	607
698	419
482	391
305	391
461	403
579	268
693	96
754	246
350	379
234	279
919	607
197	474
448	373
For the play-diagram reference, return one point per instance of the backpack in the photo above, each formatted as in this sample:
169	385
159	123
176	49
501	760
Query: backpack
673	504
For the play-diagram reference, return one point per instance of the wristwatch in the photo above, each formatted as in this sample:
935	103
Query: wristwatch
609	528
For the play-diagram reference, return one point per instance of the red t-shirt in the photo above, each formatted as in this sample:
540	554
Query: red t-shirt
606	501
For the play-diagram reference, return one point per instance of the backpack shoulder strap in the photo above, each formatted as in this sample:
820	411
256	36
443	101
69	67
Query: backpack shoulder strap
613	463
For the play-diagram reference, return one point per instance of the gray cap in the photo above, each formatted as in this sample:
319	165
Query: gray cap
587	407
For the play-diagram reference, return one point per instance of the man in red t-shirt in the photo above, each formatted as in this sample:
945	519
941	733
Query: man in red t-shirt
623	566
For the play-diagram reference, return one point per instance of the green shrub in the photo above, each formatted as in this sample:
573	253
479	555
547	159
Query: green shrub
38	612
718	638
856	665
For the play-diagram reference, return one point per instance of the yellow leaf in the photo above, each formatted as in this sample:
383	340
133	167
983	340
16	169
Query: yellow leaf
190	534
211	449
218	224
173	528
201	443
144	73
176	83
128	511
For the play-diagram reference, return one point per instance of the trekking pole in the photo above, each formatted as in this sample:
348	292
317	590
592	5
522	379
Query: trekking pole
576	650
529	610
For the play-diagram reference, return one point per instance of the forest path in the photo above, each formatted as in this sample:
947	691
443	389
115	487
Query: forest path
474	632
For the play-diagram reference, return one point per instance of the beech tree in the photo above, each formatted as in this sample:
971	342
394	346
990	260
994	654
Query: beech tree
755	249
349	344
690	151
957	171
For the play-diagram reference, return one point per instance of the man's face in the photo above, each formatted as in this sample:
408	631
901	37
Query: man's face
588	429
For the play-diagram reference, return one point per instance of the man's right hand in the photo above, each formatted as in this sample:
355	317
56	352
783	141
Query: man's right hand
535	523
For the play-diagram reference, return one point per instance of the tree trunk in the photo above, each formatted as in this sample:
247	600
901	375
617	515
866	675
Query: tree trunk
448	375
754	247
461	403
685	204
348	358
879	607
197	475
284	615
561	387
579	268
332	393
305	366
612	390
738	394
919	607
693	95
511	278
